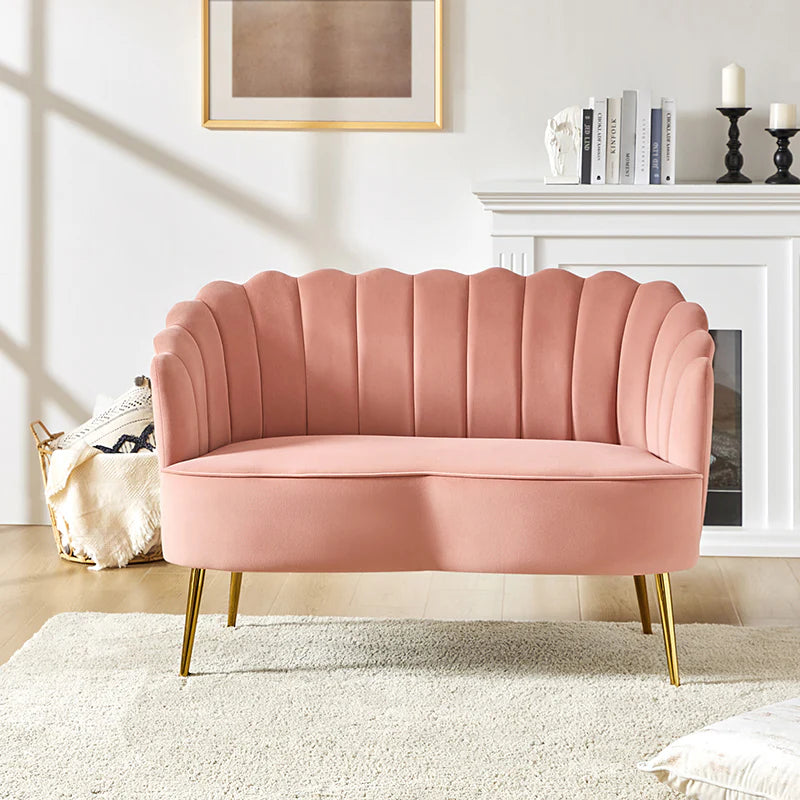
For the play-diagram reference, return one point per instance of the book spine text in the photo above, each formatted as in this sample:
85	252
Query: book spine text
599	132
586	146
612	139
668	140
642	169
655	146
627	150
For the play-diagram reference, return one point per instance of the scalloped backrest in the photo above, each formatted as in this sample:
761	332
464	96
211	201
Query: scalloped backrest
550	356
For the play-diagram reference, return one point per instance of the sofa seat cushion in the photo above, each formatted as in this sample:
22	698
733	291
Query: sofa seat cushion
365	503
391	456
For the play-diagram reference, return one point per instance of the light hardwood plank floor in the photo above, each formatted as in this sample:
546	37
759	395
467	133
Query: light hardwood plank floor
35	584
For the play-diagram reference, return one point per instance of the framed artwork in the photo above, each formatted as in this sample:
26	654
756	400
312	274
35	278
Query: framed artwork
358	64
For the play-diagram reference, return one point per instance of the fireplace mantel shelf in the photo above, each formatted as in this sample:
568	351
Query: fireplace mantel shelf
535	196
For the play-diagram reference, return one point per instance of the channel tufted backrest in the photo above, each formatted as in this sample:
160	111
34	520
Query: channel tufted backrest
493	354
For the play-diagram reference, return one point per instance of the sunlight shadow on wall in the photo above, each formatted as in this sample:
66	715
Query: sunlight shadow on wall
318	233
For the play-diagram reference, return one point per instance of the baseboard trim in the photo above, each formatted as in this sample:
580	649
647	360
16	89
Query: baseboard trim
775	543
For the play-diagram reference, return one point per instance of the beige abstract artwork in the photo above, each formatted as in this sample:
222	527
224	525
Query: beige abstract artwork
322	48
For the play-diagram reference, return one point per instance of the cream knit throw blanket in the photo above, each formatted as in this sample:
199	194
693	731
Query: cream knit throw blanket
106	506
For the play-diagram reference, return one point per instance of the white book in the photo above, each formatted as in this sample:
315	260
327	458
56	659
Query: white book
599	141
668	120
643	109
612	139
627	139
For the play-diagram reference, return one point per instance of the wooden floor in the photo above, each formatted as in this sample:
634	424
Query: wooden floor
35	584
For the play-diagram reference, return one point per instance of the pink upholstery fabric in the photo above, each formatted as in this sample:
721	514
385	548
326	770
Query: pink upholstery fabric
549	320
650	305
440	353
437	421
359	503
385	313
603	311
275	305
357	456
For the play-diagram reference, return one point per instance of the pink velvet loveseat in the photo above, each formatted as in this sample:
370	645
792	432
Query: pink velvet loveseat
483	423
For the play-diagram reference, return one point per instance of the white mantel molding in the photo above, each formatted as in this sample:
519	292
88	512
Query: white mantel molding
531	195
734	249
725	210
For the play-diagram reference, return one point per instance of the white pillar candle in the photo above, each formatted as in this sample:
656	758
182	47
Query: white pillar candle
733	86
782	115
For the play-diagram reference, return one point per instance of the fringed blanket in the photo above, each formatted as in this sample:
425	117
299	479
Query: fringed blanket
106	505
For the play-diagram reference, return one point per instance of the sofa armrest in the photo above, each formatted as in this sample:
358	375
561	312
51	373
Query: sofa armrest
689	438
180	389
174	410
681	391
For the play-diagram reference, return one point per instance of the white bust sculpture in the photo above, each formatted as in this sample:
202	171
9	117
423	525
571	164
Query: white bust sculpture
562	139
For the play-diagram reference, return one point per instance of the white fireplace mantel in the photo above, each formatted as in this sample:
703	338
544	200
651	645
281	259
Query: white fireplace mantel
751	198
644	210
735	250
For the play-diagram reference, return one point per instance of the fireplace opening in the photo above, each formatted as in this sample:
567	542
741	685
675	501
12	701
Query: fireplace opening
724	502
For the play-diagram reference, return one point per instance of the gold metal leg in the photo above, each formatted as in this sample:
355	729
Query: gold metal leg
668	625
644	607
233	598
196	579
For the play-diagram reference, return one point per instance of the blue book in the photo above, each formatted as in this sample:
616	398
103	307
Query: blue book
655	145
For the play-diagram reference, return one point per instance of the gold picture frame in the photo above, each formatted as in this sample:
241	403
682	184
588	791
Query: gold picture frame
435	124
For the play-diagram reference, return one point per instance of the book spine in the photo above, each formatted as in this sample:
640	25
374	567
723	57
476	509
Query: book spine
599	140
627	149
586	146
612	139
642	171
668	120
655	145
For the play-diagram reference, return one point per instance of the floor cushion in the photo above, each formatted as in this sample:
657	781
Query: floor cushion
752	756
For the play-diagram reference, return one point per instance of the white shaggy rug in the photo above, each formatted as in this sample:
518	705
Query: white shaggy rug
333	709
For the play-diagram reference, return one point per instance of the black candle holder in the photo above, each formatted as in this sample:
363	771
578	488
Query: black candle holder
783	157
734	159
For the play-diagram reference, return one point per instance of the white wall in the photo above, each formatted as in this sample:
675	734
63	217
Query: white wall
115	203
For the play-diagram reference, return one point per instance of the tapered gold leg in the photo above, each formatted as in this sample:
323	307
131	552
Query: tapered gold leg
668	625
233	598
644	607
196	579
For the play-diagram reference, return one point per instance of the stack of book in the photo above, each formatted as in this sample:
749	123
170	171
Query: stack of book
626	140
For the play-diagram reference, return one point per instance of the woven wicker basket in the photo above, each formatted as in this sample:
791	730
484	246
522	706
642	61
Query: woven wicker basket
44	446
